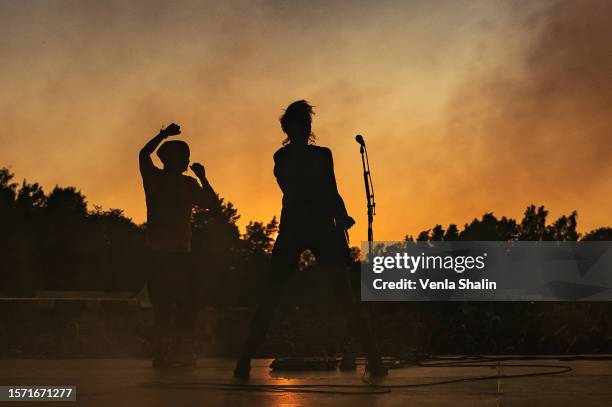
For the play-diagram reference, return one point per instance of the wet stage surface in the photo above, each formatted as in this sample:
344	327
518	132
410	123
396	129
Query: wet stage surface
132	382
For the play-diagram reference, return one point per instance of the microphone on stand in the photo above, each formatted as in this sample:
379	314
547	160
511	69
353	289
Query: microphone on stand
360	140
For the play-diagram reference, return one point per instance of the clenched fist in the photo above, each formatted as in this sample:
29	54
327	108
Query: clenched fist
198	169
171	130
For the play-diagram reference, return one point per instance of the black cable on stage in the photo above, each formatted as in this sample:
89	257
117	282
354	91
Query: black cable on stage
377	389
276	388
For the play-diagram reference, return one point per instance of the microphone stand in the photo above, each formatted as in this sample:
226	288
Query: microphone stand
369	190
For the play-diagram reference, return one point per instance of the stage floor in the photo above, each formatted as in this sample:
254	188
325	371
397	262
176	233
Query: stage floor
125	382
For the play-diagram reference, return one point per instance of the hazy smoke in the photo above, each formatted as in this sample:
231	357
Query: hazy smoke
85	84
546	131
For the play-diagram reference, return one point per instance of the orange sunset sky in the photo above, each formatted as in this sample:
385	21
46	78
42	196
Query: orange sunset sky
466	106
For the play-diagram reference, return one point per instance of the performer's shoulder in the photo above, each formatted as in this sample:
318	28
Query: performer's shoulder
319	149
280	153
322	151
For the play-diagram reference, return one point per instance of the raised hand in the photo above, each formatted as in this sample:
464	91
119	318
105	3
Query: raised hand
198	169
172	129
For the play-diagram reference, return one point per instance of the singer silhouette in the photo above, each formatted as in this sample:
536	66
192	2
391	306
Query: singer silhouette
313	217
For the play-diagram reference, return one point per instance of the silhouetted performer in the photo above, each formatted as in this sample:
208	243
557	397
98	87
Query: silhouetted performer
171	280
313	217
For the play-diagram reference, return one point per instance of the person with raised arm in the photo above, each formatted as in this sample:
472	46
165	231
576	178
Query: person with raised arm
171	278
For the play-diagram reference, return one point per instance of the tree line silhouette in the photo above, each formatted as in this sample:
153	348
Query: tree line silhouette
532	227
51	241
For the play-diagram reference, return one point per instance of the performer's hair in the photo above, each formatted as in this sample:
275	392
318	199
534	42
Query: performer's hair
301	112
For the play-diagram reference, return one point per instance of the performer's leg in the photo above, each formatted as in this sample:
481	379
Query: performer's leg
162	306
262	318
333	254
186	296
284	260
186	311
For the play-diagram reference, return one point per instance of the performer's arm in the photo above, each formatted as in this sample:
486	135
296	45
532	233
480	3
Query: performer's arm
204	196
342	217
144	158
